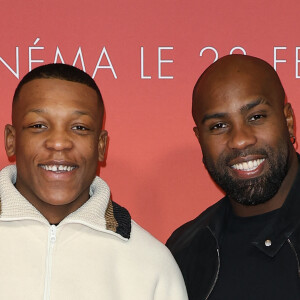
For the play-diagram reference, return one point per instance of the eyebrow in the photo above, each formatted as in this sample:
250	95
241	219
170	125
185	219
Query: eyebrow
36	110
40	111
243	109
251	105
213	116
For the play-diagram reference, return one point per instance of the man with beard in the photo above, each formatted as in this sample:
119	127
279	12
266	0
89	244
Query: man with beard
246	246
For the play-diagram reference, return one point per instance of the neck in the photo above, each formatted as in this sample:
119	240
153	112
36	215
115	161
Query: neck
56	213
275	202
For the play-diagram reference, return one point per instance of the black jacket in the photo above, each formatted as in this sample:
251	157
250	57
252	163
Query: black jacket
196	249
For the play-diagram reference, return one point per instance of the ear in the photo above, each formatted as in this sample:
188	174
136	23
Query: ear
196	131
102	145
289	117
10	140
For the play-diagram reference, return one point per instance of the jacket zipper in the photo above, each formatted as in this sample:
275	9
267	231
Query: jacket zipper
216	277
295	252
218	269
51	242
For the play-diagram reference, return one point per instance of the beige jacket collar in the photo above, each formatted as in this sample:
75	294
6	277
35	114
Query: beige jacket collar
99	212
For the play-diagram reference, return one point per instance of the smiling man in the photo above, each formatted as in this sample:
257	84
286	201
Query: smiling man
246	246
62	237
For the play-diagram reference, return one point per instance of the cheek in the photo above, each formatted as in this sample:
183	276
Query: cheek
273	137
275	131
87	149
28	142
27	148
212	147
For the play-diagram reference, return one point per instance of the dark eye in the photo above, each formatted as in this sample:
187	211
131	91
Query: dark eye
218	126
257	117
80	128
38	126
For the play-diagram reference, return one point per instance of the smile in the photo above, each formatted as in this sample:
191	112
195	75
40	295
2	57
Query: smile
58	168
248	165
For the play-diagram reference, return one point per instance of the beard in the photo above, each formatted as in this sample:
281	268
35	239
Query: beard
251	191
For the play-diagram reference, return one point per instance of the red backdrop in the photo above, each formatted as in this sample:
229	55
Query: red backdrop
146	57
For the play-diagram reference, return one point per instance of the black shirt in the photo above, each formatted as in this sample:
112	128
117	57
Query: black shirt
246	273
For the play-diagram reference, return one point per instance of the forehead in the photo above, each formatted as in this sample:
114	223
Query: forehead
229	92
55	93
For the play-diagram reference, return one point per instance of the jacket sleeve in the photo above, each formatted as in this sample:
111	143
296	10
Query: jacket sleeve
170	285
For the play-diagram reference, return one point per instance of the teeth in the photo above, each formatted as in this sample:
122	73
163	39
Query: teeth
249	165
59	168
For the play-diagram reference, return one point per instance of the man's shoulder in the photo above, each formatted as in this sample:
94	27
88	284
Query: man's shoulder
183	236
150	250
146	241
153	257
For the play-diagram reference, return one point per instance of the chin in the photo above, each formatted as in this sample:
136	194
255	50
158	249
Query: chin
58	198
58	202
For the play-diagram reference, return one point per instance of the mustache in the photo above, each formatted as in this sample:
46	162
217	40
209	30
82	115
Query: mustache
236	153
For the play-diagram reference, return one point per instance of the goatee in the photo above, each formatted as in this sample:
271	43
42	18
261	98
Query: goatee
251	191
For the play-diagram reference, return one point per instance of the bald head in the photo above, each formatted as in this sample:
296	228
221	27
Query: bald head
233	72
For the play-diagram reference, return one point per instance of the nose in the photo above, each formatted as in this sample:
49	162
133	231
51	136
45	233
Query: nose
58	140
241	137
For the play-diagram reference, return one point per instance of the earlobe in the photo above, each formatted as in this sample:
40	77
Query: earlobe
102	142
10	140
289	116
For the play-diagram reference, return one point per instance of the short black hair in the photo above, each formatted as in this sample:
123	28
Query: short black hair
59	71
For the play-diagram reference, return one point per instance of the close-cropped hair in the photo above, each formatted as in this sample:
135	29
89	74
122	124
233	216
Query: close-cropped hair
59	71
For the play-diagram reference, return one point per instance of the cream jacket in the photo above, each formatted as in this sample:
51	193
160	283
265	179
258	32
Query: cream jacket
97	252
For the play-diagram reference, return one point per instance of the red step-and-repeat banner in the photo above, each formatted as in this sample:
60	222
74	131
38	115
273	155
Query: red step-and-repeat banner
146	57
